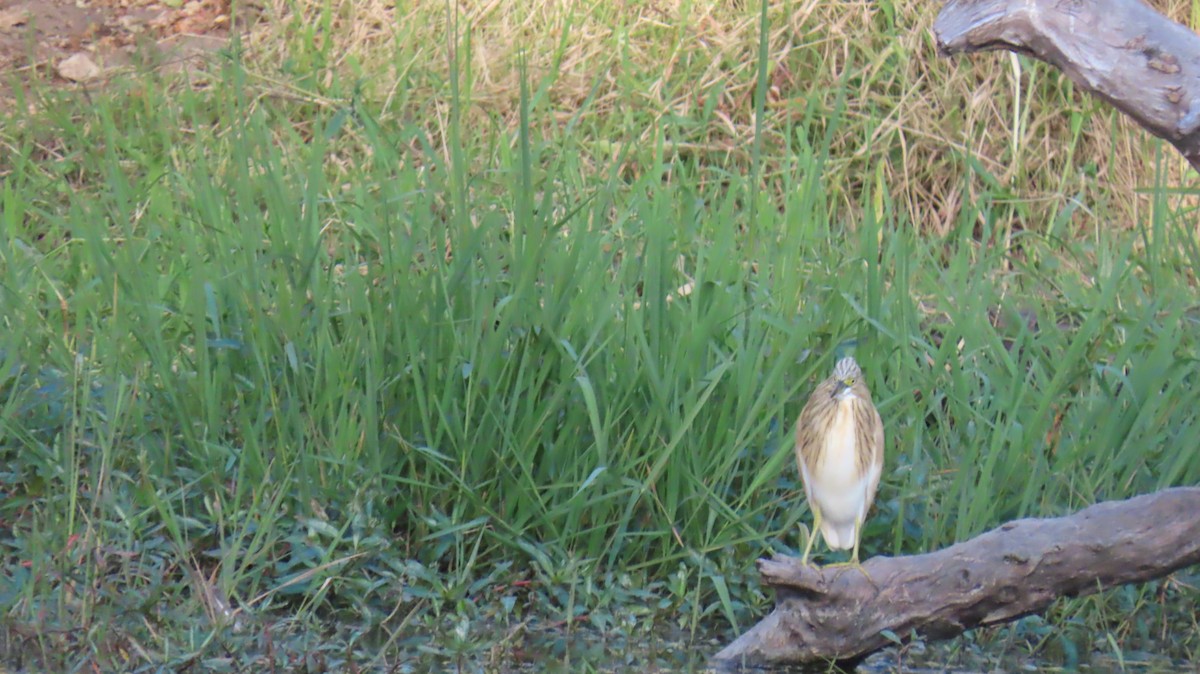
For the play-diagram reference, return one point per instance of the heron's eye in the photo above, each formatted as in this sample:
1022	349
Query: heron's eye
849	381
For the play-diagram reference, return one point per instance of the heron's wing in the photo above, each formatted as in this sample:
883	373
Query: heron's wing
807	480
807	443
875	471
803	438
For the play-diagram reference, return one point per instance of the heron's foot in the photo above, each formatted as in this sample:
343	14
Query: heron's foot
852	564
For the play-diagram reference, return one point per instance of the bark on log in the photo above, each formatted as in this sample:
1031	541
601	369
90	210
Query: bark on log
839	615
1121	50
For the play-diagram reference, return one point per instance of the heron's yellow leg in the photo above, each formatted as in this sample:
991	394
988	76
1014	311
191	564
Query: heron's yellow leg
854	555
812	535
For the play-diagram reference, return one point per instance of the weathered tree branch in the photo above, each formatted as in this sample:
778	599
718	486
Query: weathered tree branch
838	614
1121	50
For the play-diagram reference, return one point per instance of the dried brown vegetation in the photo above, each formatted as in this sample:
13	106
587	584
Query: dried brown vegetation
911	121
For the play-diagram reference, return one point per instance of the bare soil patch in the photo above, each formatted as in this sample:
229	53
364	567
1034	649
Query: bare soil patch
87	41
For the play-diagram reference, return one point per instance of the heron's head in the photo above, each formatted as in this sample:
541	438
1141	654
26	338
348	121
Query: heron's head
847	379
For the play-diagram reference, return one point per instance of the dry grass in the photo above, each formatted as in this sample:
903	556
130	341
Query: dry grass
911	119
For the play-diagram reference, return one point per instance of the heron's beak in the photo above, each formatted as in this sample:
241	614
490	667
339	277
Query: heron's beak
839	389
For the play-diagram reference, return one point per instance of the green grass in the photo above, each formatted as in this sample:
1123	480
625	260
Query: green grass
343	377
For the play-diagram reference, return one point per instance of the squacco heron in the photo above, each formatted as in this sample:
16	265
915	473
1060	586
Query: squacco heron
839	446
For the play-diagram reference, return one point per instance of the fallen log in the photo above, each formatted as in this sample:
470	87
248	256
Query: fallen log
1123	51
839	615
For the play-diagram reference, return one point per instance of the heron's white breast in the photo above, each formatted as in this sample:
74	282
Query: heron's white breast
838	486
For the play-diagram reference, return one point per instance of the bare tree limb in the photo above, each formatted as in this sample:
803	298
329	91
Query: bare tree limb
839	614
1121	50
